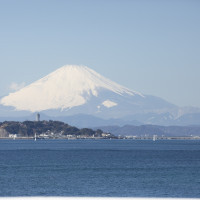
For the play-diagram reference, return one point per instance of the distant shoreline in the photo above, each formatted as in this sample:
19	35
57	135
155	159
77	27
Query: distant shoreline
101	138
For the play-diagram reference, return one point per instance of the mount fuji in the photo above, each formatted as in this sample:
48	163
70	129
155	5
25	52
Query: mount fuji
73	90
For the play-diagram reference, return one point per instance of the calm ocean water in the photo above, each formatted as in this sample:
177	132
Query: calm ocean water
116	168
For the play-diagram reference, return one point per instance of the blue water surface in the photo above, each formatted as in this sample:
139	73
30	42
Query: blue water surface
116	168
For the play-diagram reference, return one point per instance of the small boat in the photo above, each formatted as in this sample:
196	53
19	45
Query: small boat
154	137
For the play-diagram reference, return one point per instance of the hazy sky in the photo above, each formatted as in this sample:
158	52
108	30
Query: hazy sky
150	46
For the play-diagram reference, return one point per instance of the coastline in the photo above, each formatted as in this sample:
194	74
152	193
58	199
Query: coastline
101	138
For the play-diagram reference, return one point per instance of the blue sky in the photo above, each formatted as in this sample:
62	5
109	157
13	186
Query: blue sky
151	46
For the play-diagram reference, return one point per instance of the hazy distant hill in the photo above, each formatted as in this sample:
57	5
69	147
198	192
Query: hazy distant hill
153	130
82	120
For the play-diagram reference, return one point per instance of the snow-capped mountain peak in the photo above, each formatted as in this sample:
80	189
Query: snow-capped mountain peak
65	88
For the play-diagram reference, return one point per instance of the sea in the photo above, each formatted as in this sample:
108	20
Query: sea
100	168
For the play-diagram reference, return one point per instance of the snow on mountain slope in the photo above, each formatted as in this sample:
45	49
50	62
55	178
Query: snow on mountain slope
65	88
109	103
